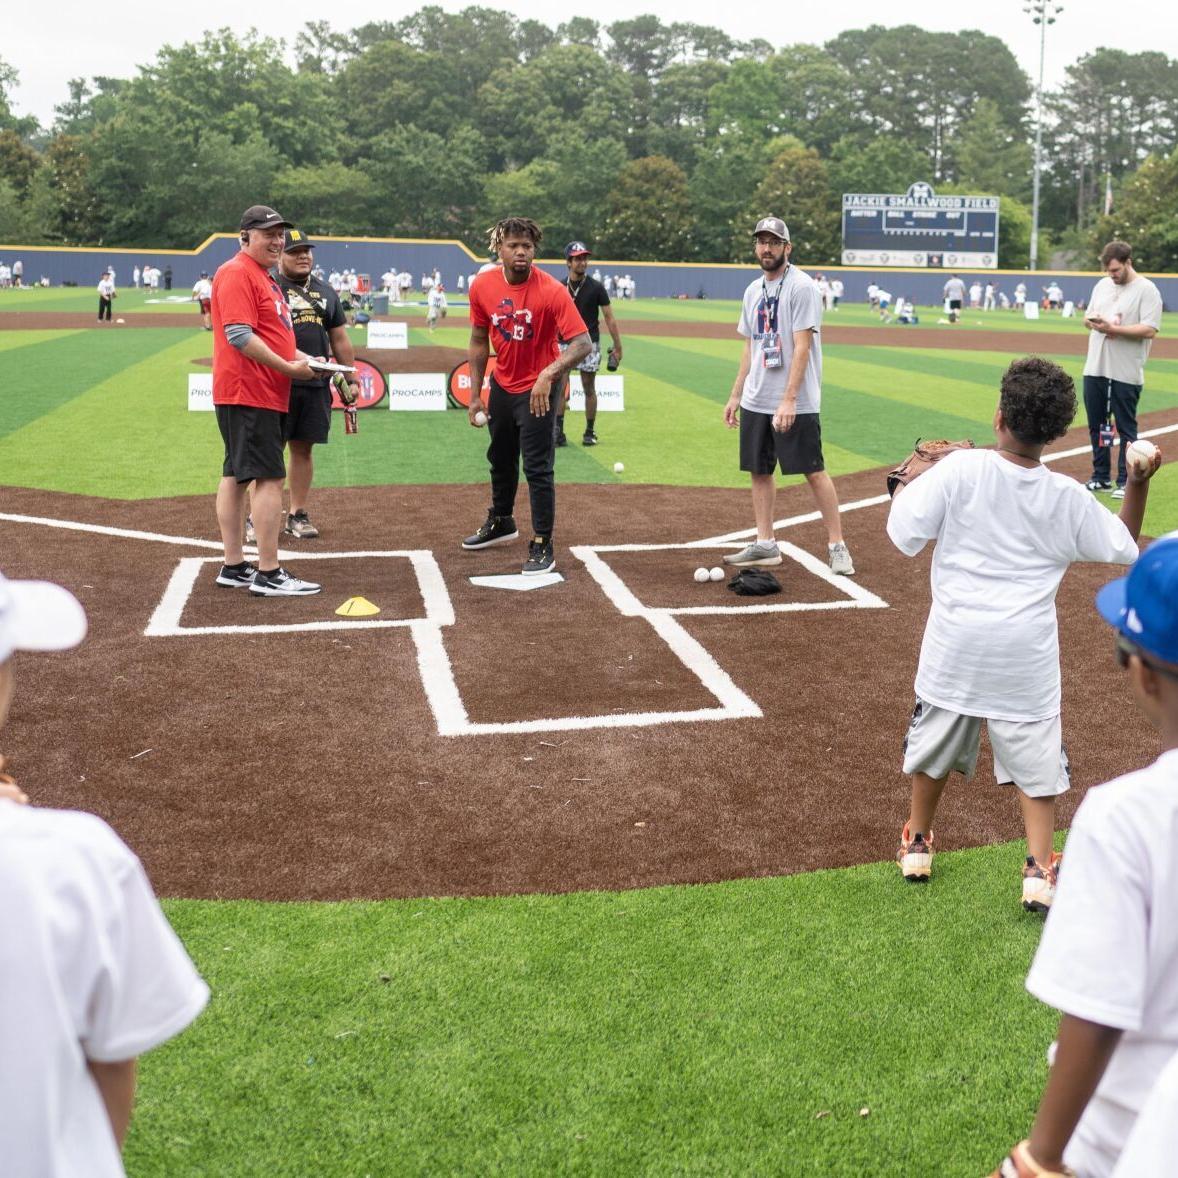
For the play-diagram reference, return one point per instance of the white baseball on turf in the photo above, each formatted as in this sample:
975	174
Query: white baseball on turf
480	418
717	574
1139	456
702	575
618	468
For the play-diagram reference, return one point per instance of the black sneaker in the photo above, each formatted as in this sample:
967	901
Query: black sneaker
498	529
561	440
237	576
280	583
1098	485
541	558
590	438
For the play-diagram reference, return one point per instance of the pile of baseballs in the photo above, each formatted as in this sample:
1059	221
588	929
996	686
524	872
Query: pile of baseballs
1140	455
702	575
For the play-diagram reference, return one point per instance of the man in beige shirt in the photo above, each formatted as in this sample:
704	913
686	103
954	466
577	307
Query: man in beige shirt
1123	315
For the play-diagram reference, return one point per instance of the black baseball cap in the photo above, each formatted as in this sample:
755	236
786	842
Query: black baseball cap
296	239
262	217
576	247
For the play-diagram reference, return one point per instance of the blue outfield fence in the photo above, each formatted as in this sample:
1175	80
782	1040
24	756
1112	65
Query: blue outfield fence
82	266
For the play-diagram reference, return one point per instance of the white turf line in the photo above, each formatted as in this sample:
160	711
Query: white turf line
434	667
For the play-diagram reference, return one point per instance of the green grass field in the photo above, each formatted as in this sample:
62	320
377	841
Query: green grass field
736	1028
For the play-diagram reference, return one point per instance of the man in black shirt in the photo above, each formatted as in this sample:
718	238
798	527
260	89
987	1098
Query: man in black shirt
590	298
320	330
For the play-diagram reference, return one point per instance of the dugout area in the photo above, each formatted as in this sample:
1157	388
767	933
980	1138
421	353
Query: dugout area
243	760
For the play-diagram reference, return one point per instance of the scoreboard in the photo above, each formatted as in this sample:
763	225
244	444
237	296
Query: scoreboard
920	228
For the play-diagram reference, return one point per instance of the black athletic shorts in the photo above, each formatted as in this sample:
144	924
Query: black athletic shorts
309	418
253	442
798	450
954	304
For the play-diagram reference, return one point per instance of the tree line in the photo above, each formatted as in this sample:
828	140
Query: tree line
650	140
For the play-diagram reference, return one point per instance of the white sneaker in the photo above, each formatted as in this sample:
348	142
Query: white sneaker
280	583
840	560
757	555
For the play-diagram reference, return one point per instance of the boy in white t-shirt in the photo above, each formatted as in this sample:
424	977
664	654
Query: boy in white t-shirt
1108	958
91	973
1006	529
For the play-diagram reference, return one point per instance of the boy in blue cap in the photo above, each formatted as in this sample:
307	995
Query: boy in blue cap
1108	958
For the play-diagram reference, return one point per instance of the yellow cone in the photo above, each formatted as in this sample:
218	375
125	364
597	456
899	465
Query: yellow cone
357	607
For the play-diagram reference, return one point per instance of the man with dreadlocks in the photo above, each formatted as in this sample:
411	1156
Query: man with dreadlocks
523	311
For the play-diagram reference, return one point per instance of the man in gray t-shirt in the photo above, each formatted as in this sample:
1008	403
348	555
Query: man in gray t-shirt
777	394
954	297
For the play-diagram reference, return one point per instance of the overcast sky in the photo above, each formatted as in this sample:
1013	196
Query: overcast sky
80	39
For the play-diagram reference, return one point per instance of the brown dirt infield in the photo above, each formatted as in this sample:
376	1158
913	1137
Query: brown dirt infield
953	339
307	765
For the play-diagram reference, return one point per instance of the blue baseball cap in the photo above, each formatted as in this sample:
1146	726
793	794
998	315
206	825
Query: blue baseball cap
576	248
1144	605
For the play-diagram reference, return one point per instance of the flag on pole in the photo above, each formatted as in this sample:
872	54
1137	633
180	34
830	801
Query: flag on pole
1108	194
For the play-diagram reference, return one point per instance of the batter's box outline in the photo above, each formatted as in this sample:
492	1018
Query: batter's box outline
165	621
854	596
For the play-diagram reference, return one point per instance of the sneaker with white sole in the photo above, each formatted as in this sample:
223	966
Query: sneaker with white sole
1039	883
541	557
759	554
1095	484
299	525
280	583
915	856
237	576
1119	493
840	559
251	537
498	529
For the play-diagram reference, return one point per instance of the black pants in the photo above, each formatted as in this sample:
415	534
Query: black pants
1124	398
515	432
103	309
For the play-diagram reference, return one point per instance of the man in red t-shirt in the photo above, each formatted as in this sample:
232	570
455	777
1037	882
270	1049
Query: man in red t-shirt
523	312
254	361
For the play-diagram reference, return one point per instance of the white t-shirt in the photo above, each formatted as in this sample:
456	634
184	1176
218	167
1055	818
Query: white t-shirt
1153	1144
436	298
836	288
1005	535
1109	951
89	969
775	310
105	287
203	289
1135	302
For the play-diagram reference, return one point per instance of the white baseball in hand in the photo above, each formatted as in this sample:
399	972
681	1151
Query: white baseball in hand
480	418
1140	455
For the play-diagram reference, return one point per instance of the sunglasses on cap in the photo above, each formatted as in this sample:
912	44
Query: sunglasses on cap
1126	650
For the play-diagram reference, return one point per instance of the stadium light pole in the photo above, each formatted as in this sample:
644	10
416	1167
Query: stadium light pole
1042	13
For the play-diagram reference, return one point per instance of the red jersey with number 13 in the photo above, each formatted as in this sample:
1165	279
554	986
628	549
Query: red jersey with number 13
524	322
244	292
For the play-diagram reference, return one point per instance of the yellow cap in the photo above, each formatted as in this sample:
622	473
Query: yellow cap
357	607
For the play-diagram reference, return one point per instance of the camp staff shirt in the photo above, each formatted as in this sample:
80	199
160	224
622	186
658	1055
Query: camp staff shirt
1005	535
1109	951
89	969
589	298
245	292
314	310
799	308
1116	357
524	323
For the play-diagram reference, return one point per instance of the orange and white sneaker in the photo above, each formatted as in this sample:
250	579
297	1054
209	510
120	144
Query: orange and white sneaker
1039	883
915	856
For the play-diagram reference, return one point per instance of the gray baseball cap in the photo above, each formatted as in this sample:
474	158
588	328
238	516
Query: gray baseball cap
774	225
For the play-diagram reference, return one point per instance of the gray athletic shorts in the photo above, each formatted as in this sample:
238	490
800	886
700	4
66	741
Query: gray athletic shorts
592	362
1029	753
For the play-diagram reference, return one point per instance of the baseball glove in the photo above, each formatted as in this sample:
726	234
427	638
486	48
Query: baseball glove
925	455
1019	1164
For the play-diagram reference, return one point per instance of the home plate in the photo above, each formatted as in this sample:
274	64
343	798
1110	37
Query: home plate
518	581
